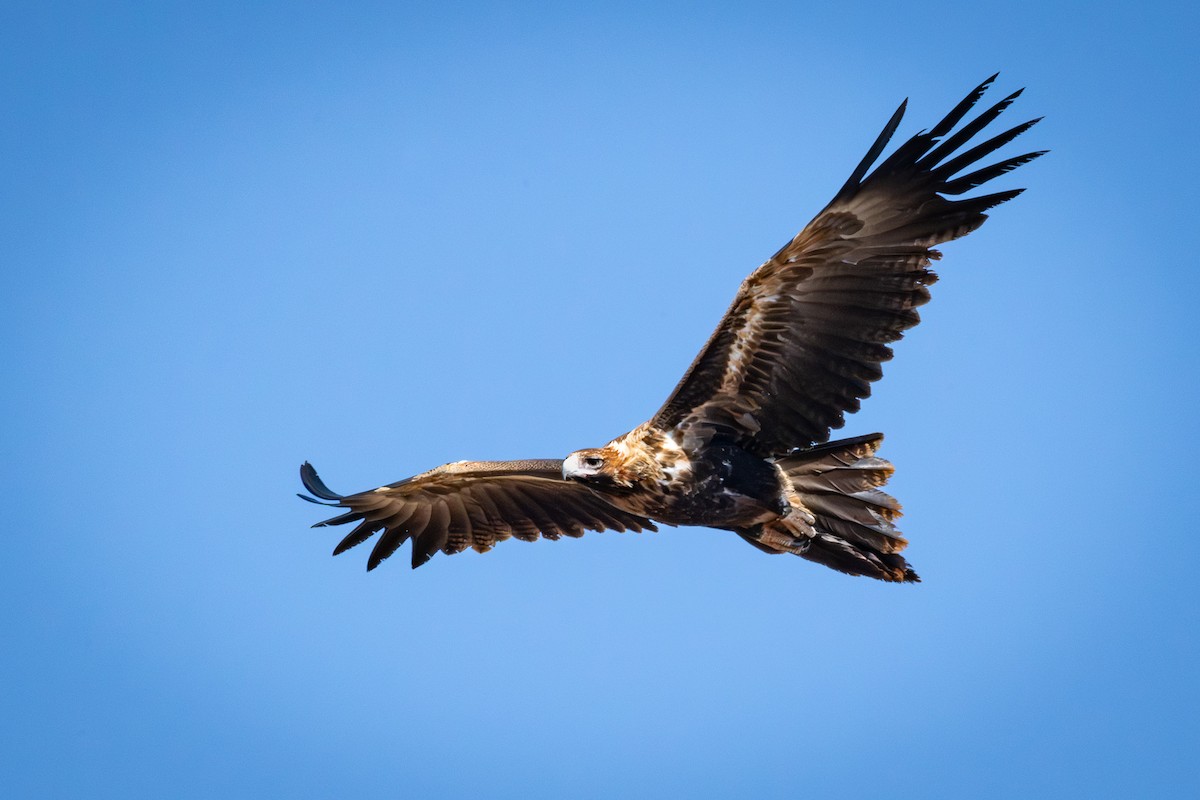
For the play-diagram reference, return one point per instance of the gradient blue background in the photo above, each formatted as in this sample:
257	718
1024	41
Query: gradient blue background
385	237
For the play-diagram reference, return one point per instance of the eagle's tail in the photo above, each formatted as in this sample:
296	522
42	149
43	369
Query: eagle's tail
850	528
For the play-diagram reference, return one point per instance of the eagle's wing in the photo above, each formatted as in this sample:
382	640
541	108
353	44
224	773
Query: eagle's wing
808	330
470	504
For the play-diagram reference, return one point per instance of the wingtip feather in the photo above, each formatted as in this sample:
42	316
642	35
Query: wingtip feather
312	481
314	500
881	141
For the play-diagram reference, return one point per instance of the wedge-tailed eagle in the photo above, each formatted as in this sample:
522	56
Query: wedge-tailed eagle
742	442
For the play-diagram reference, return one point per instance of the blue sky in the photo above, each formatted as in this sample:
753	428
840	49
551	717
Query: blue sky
383	237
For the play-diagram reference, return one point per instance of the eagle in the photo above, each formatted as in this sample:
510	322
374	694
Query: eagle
742	443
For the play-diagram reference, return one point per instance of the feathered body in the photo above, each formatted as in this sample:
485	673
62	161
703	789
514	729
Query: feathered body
741	443
649	472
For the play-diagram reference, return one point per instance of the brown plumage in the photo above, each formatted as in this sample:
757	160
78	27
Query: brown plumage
740	443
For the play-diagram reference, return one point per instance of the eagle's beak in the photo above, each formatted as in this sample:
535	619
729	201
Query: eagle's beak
571	467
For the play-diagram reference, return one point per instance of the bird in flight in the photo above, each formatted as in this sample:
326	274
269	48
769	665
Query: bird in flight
742	442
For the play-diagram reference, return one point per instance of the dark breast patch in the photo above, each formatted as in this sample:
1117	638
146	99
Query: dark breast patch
746	474
727	486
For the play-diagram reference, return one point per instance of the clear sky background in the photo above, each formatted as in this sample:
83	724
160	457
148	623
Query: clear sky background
386	236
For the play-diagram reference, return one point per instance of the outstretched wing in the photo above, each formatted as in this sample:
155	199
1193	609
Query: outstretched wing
470	504
808	330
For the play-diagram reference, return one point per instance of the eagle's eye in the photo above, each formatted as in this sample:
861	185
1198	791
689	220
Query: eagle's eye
593	462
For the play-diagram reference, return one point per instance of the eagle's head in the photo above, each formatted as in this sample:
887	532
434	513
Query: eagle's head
598	467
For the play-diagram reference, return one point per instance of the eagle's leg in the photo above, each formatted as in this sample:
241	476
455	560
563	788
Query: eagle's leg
790	533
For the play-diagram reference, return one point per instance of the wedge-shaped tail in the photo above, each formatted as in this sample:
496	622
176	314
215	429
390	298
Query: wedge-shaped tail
850	522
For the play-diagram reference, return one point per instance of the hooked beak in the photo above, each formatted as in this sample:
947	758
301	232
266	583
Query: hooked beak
572	468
